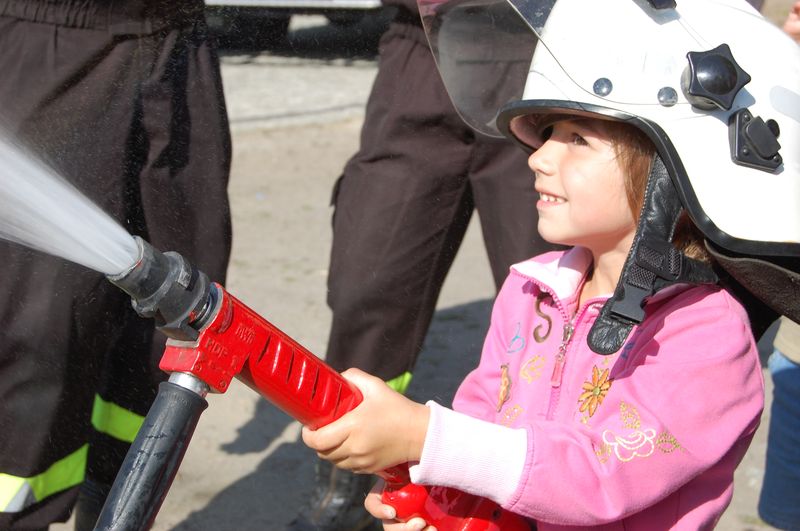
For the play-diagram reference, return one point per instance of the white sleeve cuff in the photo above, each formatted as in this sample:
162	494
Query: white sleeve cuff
472	455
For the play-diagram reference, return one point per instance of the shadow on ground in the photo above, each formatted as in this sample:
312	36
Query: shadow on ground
271	495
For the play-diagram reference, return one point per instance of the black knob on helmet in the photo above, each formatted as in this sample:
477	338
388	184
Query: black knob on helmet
713	78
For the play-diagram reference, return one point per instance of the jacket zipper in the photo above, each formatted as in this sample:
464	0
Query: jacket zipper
569	331
557	377
558	368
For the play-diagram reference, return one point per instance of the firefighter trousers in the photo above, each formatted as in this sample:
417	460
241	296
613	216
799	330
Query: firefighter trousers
402	207
124	100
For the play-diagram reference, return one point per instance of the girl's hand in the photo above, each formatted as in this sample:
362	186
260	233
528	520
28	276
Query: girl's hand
384	430
386	513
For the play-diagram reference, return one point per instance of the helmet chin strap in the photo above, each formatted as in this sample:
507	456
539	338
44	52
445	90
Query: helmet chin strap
653	263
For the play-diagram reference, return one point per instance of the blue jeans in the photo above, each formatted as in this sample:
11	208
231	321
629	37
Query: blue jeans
779	504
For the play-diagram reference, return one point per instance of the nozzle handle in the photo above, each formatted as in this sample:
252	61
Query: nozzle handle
153	460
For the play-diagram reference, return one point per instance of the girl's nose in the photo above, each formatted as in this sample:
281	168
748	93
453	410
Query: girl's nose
542	161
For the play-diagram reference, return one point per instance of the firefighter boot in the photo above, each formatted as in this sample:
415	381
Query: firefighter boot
337	503
91	498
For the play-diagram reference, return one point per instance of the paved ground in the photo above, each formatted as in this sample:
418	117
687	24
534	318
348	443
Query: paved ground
296	114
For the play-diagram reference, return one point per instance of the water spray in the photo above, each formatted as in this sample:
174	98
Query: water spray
42	211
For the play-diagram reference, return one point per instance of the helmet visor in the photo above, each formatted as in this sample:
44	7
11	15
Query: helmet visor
483	49
624	52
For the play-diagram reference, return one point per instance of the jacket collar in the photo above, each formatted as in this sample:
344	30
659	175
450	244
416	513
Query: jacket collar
565	271
562	271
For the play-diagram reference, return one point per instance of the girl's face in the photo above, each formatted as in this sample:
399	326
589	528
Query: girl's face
582	199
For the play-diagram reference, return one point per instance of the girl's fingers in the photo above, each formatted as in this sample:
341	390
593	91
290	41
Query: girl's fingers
387	513
326	438
375	506
417	524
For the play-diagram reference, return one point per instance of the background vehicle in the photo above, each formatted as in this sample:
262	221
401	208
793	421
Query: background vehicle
266	22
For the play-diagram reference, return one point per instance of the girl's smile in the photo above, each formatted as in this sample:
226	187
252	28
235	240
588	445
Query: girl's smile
547	200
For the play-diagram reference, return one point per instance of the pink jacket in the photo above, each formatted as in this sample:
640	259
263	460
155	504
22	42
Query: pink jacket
646	438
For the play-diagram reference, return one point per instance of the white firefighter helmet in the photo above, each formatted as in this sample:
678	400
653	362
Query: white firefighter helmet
713	84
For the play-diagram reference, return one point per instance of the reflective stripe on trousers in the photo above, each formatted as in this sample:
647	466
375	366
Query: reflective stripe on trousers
17	493
116	421
400	384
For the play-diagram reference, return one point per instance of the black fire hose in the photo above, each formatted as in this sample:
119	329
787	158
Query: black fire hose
153	460
179	297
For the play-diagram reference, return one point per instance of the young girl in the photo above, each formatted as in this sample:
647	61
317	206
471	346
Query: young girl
619	384
646	438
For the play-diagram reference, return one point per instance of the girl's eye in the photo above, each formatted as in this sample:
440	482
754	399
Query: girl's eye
579	140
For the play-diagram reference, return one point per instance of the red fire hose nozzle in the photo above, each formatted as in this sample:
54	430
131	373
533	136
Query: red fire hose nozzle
214	338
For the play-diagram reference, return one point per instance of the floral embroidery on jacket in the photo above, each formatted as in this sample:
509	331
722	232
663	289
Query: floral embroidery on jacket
505	387
594	390
510	415
532	369
667	443
542	332
635	443
517	342
629	416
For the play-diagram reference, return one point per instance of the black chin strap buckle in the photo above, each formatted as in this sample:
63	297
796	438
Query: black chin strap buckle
652	264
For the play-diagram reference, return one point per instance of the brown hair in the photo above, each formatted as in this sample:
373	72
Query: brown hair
635	154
